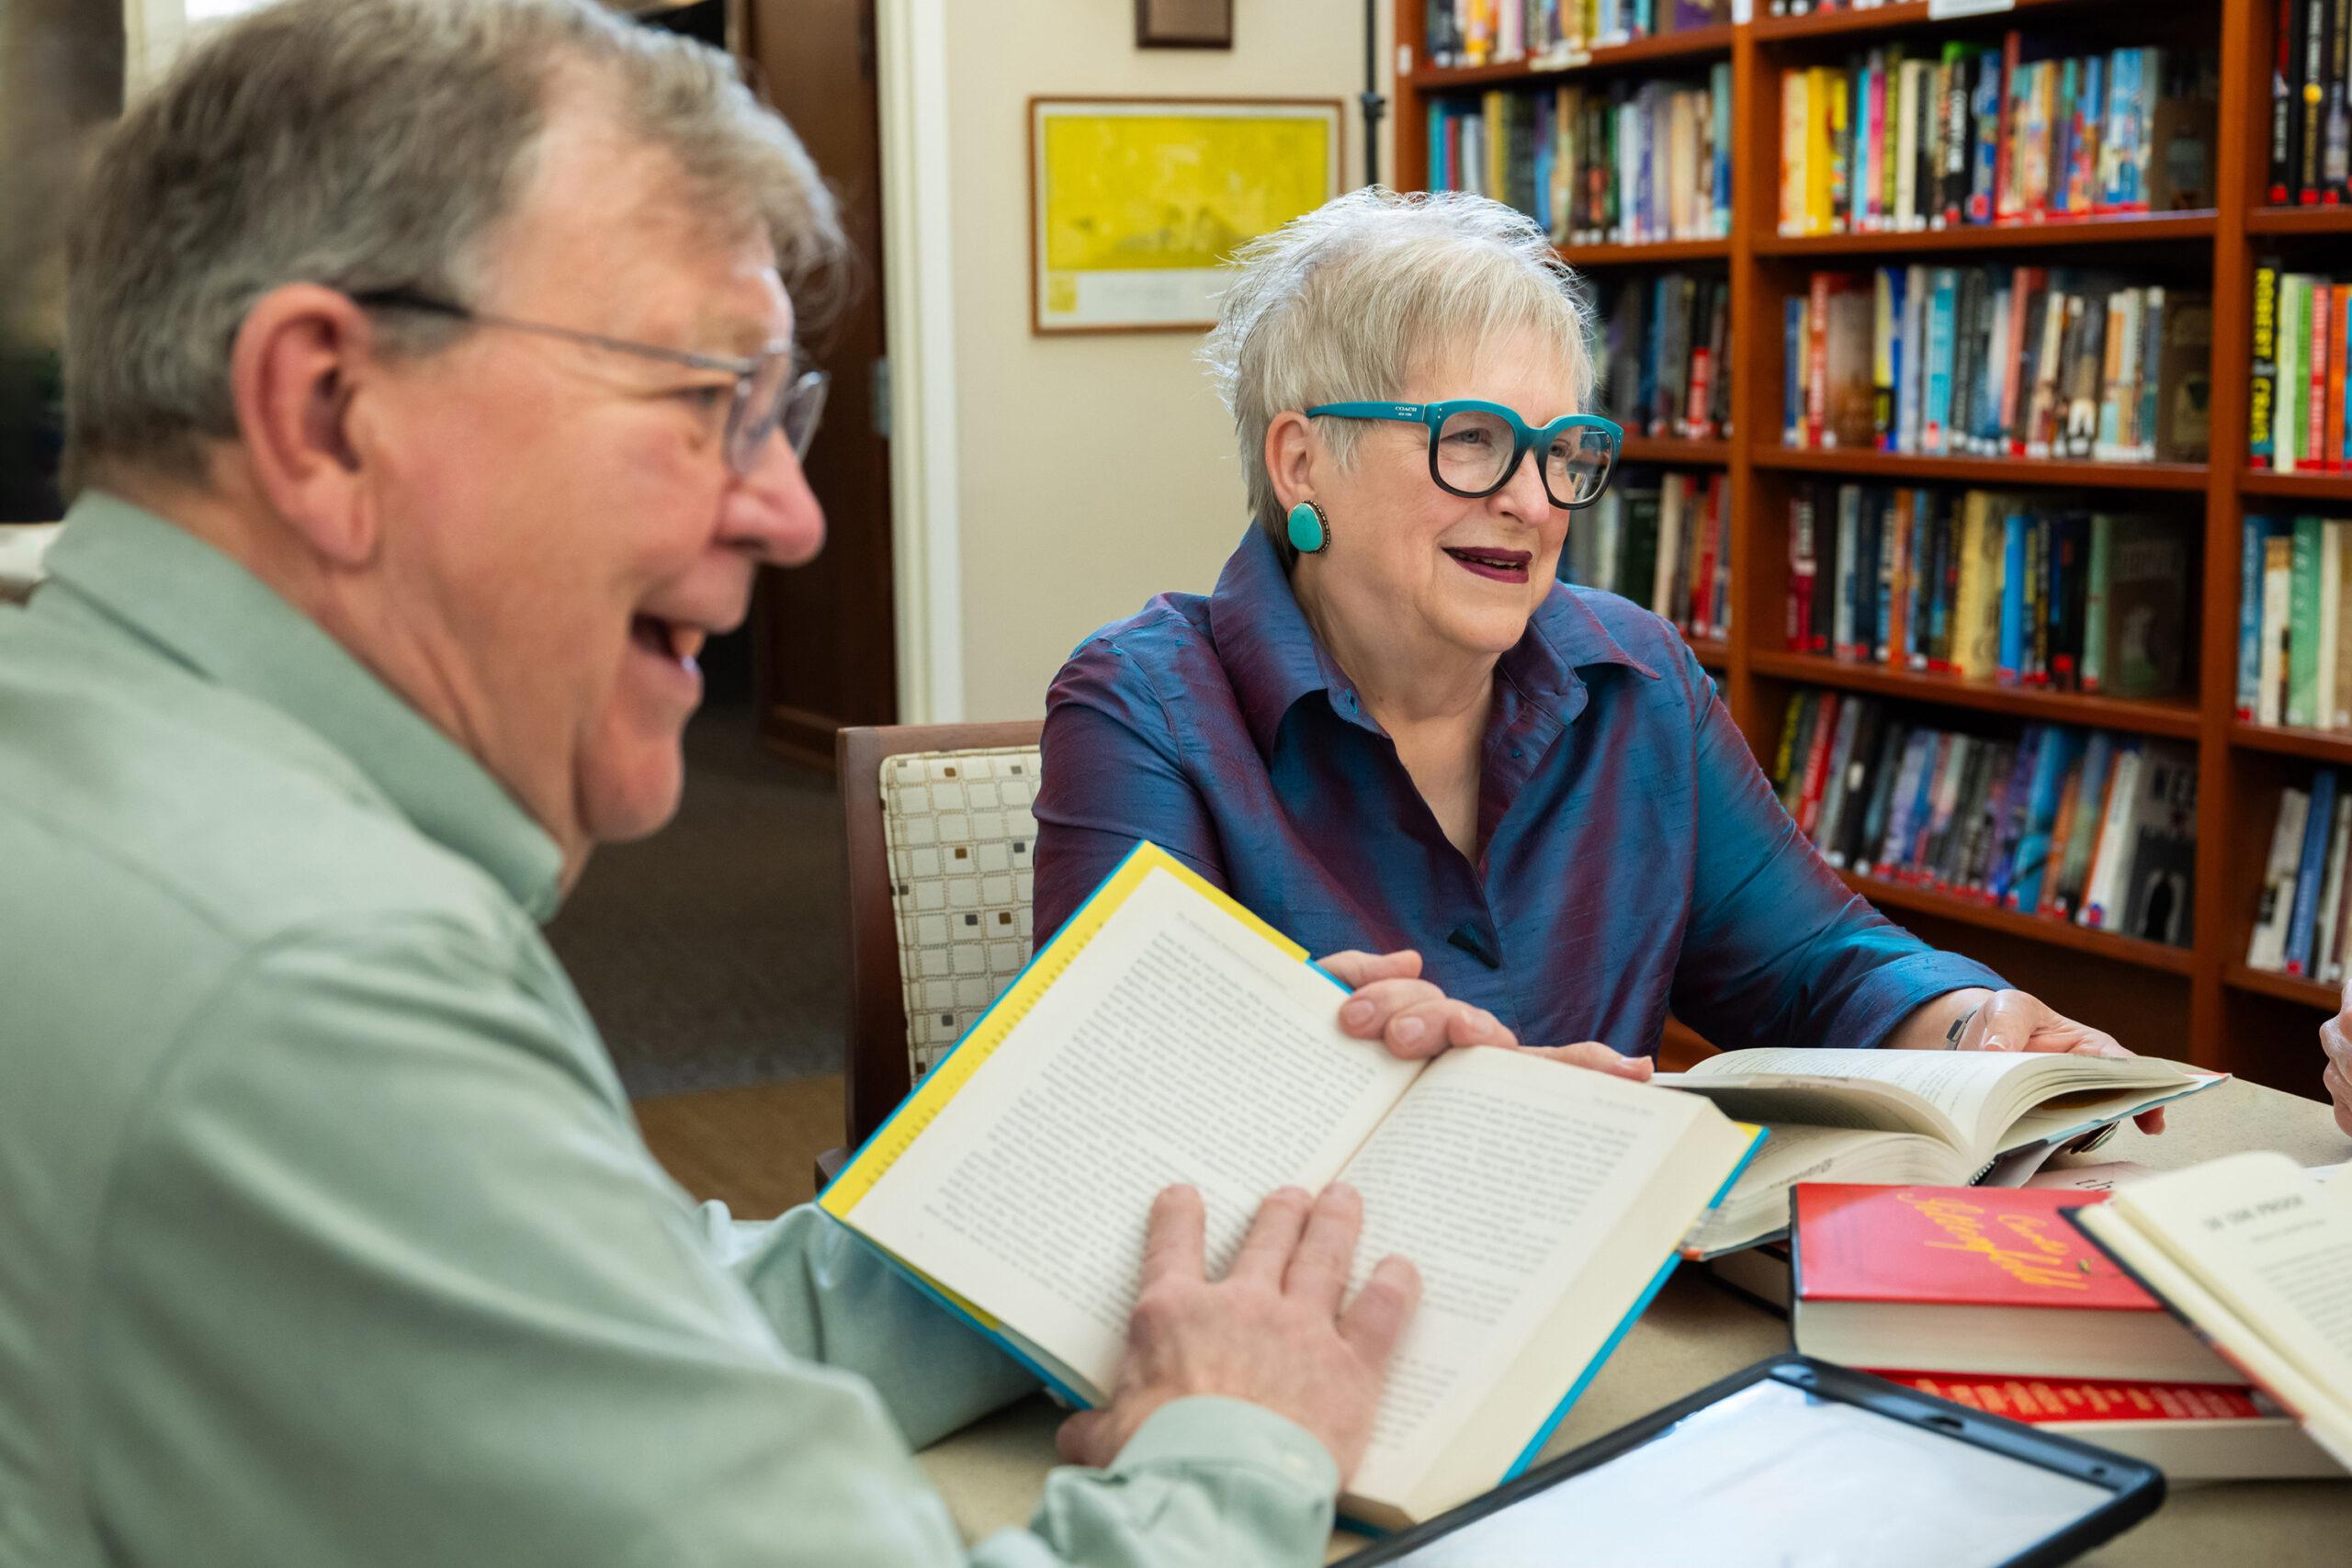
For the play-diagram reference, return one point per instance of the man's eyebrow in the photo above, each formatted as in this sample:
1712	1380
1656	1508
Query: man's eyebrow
737	333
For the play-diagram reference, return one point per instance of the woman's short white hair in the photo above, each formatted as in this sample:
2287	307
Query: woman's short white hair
1350	301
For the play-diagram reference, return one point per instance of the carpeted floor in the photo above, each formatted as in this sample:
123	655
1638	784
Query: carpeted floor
711	955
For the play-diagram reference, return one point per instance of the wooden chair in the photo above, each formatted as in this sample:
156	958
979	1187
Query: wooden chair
876	1065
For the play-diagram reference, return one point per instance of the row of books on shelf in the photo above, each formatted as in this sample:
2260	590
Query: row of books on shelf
2088	827
2302	923
1663	341
1553	33
2302	331
1989	586
1967	133
1625	164
2310	120
1663	541
2294	661
1998	362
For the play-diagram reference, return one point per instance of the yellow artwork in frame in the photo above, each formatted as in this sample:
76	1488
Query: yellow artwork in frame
1135	203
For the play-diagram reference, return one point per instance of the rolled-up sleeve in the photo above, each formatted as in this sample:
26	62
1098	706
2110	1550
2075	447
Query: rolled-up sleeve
1778	950
387	1278
1111	774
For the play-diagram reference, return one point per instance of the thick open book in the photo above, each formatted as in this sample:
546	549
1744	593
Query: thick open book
2256	1257
1167	1035
1928	1118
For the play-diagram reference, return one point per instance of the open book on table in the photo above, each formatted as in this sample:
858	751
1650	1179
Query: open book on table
2256	1256
1925	1118
1167	1035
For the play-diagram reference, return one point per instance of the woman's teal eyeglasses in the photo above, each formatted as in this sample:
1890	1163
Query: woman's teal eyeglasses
1476	446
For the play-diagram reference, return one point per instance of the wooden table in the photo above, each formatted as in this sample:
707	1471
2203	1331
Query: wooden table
991	1474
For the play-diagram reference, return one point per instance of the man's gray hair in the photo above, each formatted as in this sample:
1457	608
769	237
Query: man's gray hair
1350	300
372	144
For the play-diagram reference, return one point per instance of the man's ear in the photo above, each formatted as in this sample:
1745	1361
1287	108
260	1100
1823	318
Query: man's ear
301	358
1292	454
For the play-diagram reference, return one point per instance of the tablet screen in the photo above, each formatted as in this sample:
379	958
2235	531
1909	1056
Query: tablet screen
1776	1475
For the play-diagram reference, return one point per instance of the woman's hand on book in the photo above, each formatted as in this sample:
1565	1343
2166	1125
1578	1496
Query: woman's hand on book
2336	1039
2016	1020
1270	1332
1409	1015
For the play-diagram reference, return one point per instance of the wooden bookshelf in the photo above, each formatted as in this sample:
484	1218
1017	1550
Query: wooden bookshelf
2234	1018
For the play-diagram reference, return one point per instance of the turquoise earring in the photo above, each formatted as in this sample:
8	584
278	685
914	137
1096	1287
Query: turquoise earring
1309	529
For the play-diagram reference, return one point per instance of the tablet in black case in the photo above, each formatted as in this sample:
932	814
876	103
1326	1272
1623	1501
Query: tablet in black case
1796	1462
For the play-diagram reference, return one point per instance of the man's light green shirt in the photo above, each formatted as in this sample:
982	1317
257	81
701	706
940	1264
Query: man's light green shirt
326	1236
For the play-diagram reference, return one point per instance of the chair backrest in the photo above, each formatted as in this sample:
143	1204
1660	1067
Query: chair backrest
939	839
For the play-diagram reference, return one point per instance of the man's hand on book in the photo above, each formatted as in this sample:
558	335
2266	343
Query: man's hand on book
1270	1332
1409	1015
2336	1039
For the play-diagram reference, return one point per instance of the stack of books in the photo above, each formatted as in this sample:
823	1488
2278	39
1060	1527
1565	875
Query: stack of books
2311	122
2302	327
2300	926
1663	541
2088	827
1989	586
1996	362
1553	33
2294	666
1963	133
1662	355
1991	1298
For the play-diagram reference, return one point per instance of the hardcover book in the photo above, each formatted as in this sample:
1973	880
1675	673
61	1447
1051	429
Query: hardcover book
2190	1431
1970	1280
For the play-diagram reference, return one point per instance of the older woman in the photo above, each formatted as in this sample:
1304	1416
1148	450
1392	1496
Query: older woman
1390	728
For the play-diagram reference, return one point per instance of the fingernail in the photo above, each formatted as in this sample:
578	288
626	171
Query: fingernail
1357	1013
1993	1042
1409	1030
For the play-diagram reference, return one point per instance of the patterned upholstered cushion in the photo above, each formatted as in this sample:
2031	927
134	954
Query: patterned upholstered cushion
961	842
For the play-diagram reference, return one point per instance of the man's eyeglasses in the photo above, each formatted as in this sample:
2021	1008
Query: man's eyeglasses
768	396
1476	446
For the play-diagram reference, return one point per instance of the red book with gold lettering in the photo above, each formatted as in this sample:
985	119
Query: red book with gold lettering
1977	1279
2190	1431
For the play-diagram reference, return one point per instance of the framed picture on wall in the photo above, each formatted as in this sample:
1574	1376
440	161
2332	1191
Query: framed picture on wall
1136	203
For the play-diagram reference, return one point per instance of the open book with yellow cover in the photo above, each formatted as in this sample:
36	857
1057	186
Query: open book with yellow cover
1167	1035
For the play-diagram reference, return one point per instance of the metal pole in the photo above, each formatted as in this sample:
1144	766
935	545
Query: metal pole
1375	105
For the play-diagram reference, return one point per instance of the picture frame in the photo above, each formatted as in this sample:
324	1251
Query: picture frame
1136	202
1184	24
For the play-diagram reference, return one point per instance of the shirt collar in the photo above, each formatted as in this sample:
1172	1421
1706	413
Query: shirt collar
206	611
1272	658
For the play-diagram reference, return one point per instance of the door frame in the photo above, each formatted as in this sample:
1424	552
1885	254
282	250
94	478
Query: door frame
919	329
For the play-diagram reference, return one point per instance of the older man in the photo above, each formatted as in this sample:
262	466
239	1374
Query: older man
432	400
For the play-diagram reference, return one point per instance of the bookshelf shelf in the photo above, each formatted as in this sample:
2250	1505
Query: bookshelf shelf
1700	45
2299	485
2300	221
2177	720
1674	449
2323	745
2059	933
2137	229
2002	471
1714	652
2215	1012
2286	987
1658	253
1898	18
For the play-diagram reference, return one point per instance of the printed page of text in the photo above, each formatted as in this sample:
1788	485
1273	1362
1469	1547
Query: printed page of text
1501	1177
1178	1047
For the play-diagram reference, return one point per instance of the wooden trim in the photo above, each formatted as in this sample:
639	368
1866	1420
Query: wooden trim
2126	229
1654	252
2141	717
2004	473
1700	45
2059	933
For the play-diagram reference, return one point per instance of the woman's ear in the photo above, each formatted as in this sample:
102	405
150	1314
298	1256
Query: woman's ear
1292	454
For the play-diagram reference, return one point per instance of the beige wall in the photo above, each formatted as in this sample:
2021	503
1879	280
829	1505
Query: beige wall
1094	471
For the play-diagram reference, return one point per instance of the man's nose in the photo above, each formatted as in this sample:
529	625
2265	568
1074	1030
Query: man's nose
770	513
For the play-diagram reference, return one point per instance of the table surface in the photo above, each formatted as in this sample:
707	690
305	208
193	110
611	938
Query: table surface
1693	1334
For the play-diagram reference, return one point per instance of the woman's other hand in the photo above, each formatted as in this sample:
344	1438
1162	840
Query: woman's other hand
1414	1019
